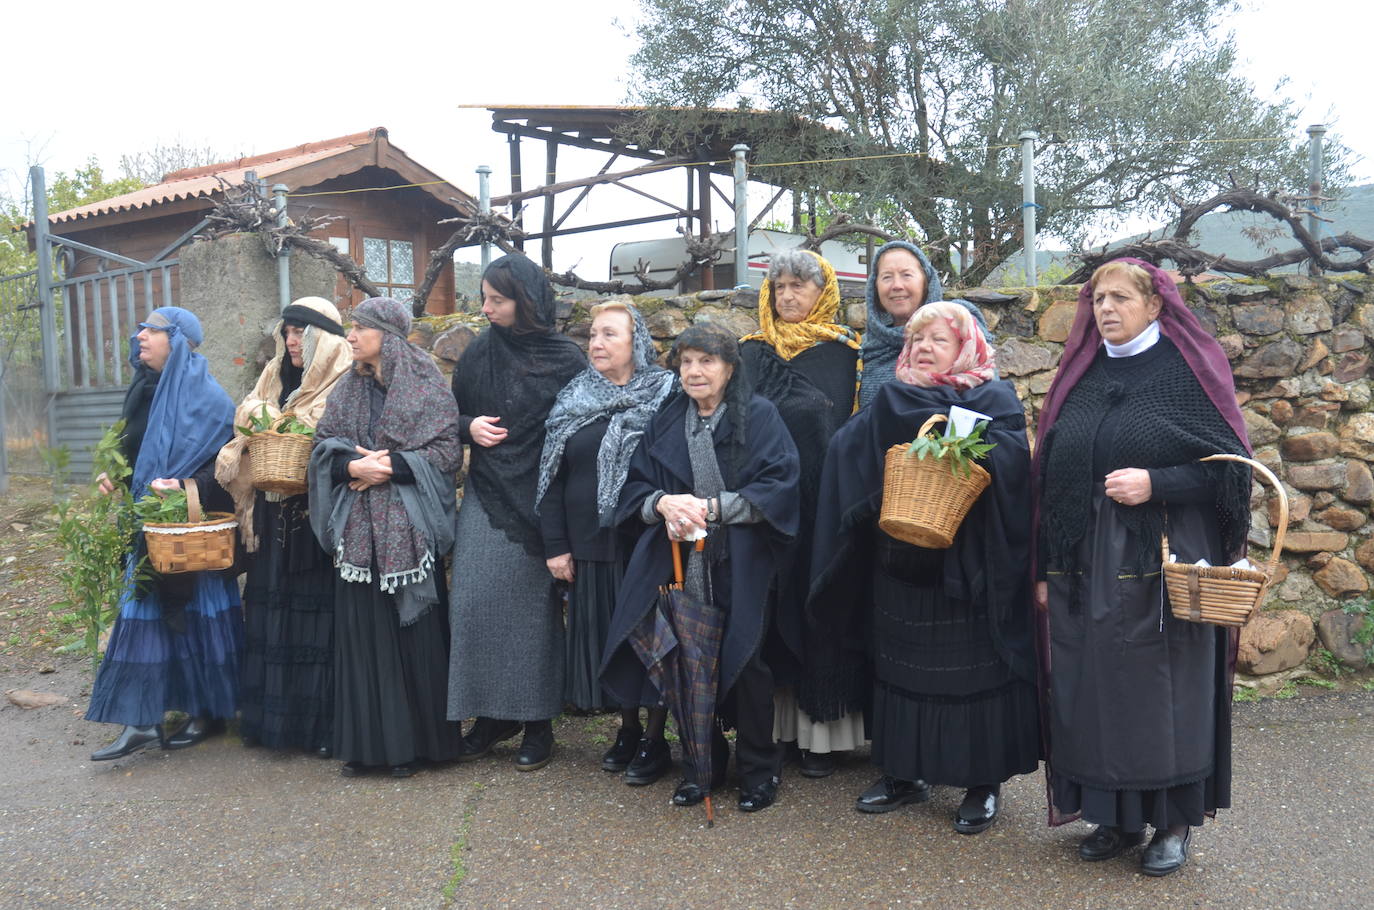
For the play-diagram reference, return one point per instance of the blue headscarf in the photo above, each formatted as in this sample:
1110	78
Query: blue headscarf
191	416
882	340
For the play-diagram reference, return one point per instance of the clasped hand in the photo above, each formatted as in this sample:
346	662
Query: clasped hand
1129	486
372	469
683	514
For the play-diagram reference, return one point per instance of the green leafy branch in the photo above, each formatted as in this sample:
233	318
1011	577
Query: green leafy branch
263	422
960	451
170	508
95	533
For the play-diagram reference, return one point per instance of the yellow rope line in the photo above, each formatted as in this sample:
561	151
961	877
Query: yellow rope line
366	189
974	148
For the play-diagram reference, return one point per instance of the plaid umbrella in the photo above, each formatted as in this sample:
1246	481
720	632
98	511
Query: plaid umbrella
679	643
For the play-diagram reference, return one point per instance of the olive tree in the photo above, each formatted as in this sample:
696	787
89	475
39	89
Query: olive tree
1136	104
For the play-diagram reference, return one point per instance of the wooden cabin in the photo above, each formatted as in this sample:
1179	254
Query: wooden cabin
390	232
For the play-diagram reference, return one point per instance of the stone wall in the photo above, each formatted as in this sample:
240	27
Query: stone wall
1300	351
231	286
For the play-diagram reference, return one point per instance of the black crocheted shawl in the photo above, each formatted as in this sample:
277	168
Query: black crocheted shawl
1167	419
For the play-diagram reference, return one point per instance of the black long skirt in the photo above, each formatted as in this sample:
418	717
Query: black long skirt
591	601
391	681
287	680
946	708
1140	730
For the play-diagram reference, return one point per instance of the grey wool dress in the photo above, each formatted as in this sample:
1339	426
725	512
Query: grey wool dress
506	618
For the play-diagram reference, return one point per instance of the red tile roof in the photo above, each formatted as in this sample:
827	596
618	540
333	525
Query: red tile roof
201	182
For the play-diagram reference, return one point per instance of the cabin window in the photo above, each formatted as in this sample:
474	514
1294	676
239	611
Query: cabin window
390	264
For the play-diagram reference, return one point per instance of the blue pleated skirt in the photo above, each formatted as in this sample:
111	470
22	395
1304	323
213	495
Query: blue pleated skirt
150	669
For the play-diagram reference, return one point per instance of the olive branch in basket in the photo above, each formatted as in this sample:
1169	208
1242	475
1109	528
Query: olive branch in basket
959	451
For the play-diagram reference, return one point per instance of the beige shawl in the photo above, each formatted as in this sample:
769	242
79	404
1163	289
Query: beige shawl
325	357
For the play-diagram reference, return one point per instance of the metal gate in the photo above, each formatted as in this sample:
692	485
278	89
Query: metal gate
86	319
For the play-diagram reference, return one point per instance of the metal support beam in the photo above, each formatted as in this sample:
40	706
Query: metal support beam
284	254
583	228
95	251
741	215
484	206
651	197
1028	203
1315	132
47	313
517	215
583	194
550	178
172	247
767	208
708	272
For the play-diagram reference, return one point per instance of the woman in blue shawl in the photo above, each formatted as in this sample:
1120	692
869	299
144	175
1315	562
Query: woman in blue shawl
901	281
175	645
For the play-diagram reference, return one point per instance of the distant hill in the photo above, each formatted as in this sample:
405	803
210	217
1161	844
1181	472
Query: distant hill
1226	233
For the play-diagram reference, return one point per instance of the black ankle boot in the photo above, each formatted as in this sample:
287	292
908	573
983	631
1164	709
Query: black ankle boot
130	740
619	756
485	733
536	749
196	730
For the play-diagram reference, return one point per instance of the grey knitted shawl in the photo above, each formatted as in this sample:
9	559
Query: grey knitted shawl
590	397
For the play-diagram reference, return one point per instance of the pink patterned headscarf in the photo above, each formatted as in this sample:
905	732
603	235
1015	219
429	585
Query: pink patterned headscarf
975	363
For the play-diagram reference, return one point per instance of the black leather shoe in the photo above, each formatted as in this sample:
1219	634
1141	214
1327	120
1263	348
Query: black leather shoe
323	752
1166	853
817	764
653	760
353	769
889	793
536	749
756	799
689	794
1106	842
196	730
619	756
130	740
406	770
485	733
978	810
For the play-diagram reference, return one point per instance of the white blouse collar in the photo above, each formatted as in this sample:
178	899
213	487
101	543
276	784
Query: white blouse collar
1142	342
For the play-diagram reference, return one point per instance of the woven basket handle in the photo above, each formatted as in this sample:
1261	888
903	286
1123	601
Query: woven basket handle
931	421
193	512
1273	481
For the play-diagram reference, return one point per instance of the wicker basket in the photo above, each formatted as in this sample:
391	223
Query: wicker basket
925	499
1222	595
205	543
279	461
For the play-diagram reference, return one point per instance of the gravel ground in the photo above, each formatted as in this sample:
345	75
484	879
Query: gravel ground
219	825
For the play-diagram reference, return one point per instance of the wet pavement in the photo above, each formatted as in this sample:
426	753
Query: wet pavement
220	825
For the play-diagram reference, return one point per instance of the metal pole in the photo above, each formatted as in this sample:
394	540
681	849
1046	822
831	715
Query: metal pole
284	256
1315	132
4	437
741	215
47	307
1028	202
484	206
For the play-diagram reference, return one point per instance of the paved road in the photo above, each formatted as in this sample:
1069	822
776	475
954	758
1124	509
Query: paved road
221	826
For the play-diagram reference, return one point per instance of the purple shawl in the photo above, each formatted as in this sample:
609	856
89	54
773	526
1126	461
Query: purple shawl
1208	362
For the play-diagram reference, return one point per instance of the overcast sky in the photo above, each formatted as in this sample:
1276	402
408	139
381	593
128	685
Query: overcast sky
108	79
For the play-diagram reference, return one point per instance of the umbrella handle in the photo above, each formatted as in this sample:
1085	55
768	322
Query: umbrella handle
677	560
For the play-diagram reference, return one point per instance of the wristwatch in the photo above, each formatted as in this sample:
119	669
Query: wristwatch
713	509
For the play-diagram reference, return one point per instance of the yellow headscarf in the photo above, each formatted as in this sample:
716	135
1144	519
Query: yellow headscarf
789	339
